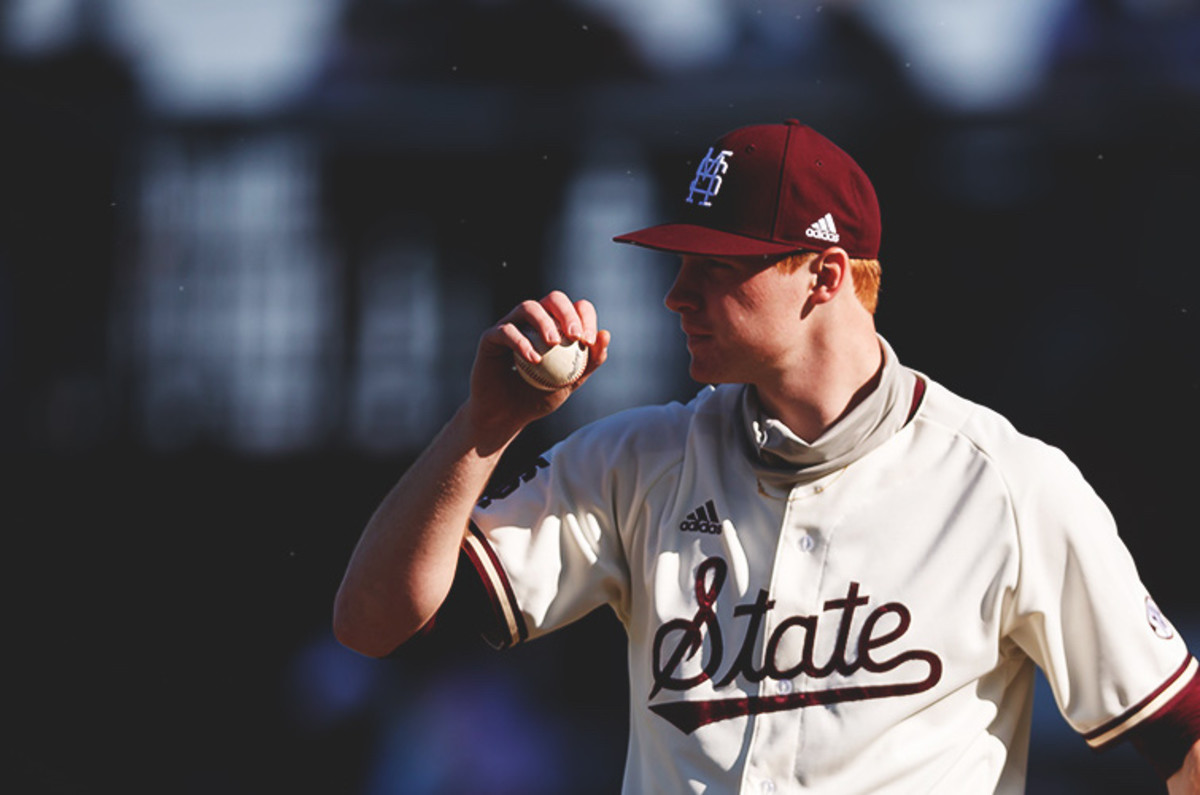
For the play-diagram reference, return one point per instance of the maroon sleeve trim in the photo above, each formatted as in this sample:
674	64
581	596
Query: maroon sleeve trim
1166	738
499	590
1148	709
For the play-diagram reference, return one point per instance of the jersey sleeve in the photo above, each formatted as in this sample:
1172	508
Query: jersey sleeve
549	546
1081	612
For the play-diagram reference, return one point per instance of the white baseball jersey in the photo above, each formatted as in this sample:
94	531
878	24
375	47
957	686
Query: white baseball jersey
874	631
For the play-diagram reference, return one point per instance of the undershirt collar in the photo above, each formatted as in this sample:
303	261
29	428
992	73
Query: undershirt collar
783	458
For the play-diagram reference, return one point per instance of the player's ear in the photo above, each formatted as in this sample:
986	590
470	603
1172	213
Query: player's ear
829	271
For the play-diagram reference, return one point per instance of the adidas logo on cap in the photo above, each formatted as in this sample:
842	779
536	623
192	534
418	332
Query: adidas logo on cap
824	229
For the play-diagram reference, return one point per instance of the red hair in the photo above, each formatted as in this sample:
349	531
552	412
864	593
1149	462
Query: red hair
866	275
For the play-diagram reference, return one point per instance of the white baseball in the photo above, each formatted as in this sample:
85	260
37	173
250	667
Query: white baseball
561	364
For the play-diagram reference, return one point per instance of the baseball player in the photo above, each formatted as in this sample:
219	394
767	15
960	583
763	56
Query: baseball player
836	576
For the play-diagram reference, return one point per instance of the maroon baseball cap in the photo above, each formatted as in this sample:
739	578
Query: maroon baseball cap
772	189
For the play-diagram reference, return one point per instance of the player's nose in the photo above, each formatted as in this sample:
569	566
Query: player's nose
682	297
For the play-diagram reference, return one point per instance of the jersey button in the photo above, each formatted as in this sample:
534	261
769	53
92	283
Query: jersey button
766	787
807	542
784	686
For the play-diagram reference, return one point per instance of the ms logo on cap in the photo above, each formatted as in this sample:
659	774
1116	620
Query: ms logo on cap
707	182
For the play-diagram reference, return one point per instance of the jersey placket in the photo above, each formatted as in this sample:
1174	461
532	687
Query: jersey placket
795	587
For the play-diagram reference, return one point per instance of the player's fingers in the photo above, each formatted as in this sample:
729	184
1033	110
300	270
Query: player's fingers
506	336
565	314
597	353
587	316
533	315
603	338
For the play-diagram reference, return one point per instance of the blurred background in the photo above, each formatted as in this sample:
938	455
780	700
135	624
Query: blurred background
247	248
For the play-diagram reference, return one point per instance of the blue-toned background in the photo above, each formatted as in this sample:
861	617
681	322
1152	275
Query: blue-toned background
247	248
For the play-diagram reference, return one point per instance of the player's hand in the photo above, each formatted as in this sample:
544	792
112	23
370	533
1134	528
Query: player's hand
501	403
1187	780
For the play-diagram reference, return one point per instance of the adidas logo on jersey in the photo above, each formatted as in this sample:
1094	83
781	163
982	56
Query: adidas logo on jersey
702	520
824	229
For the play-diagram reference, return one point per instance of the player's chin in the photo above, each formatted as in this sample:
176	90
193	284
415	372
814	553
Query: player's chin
710	363
706	371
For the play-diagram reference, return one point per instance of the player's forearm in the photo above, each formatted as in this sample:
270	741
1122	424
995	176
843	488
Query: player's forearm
404	563
1187	780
